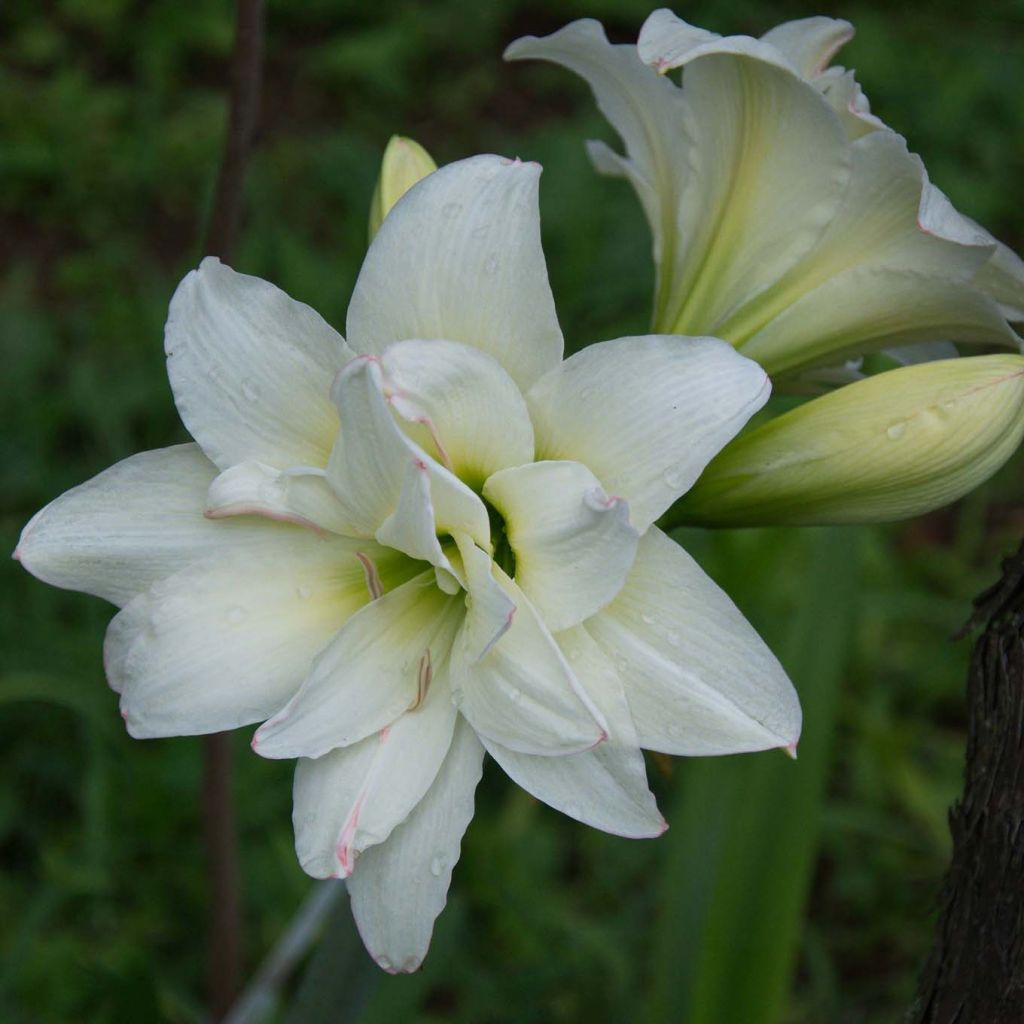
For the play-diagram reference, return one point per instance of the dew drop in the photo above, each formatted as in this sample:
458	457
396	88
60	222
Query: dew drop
274	491
450	209
674	478
949	405
479	231
573	653
673	638
491	265
251	390
572	809
674	731
384	963
236	615
896	430
648	619
515	696
304	591
436	867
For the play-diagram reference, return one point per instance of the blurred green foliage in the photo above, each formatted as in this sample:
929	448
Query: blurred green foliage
111	116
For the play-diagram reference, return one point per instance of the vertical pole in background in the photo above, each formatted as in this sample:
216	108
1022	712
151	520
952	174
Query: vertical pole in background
976	968
224	923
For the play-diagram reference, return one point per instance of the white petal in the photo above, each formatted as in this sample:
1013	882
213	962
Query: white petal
522	692
251	369
489	609
878	276
1003	279
401	886
573	544
876	307
133	524
352	798
368	675
665	39
411	527
299	495
370	462
742	168
638	103
324	791
605	787
228	640
472	414
698	678
810	43
1002	276
647	414
844	95
459	257
766	168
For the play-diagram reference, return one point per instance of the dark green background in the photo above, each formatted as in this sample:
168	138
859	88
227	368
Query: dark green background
111	119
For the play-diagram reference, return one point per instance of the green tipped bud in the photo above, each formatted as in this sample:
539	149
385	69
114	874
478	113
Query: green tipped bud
405	162
889	447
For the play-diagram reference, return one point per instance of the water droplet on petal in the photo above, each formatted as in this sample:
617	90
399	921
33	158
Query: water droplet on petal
384	963
251	390
674	478
515	696
673	638
949	405
648	619
436	867
674	731
479	231
572	809
450	209
236	615
304	591
896	430
491	265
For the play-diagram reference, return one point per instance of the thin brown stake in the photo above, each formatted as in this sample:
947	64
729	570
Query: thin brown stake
224	924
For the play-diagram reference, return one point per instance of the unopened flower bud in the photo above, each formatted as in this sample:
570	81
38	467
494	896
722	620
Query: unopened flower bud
405	162
892	446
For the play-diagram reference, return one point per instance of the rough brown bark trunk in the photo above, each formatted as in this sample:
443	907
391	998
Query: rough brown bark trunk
224	923
975	973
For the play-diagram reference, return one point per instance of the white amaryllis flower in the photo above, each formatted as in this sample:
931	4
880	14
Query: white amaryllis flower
785	218
435	542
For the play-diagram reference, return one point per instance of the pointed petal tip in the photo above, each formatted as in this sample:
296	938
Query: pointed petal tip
268	732
266	743
408	966
790	750
517	162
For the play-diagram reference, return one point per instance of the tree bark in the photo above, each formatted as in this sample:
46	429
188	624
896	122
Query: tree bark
975	973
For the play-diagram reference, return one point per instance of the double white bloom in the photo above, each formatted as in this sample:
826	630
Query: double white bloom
429	542
786	218
791	222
